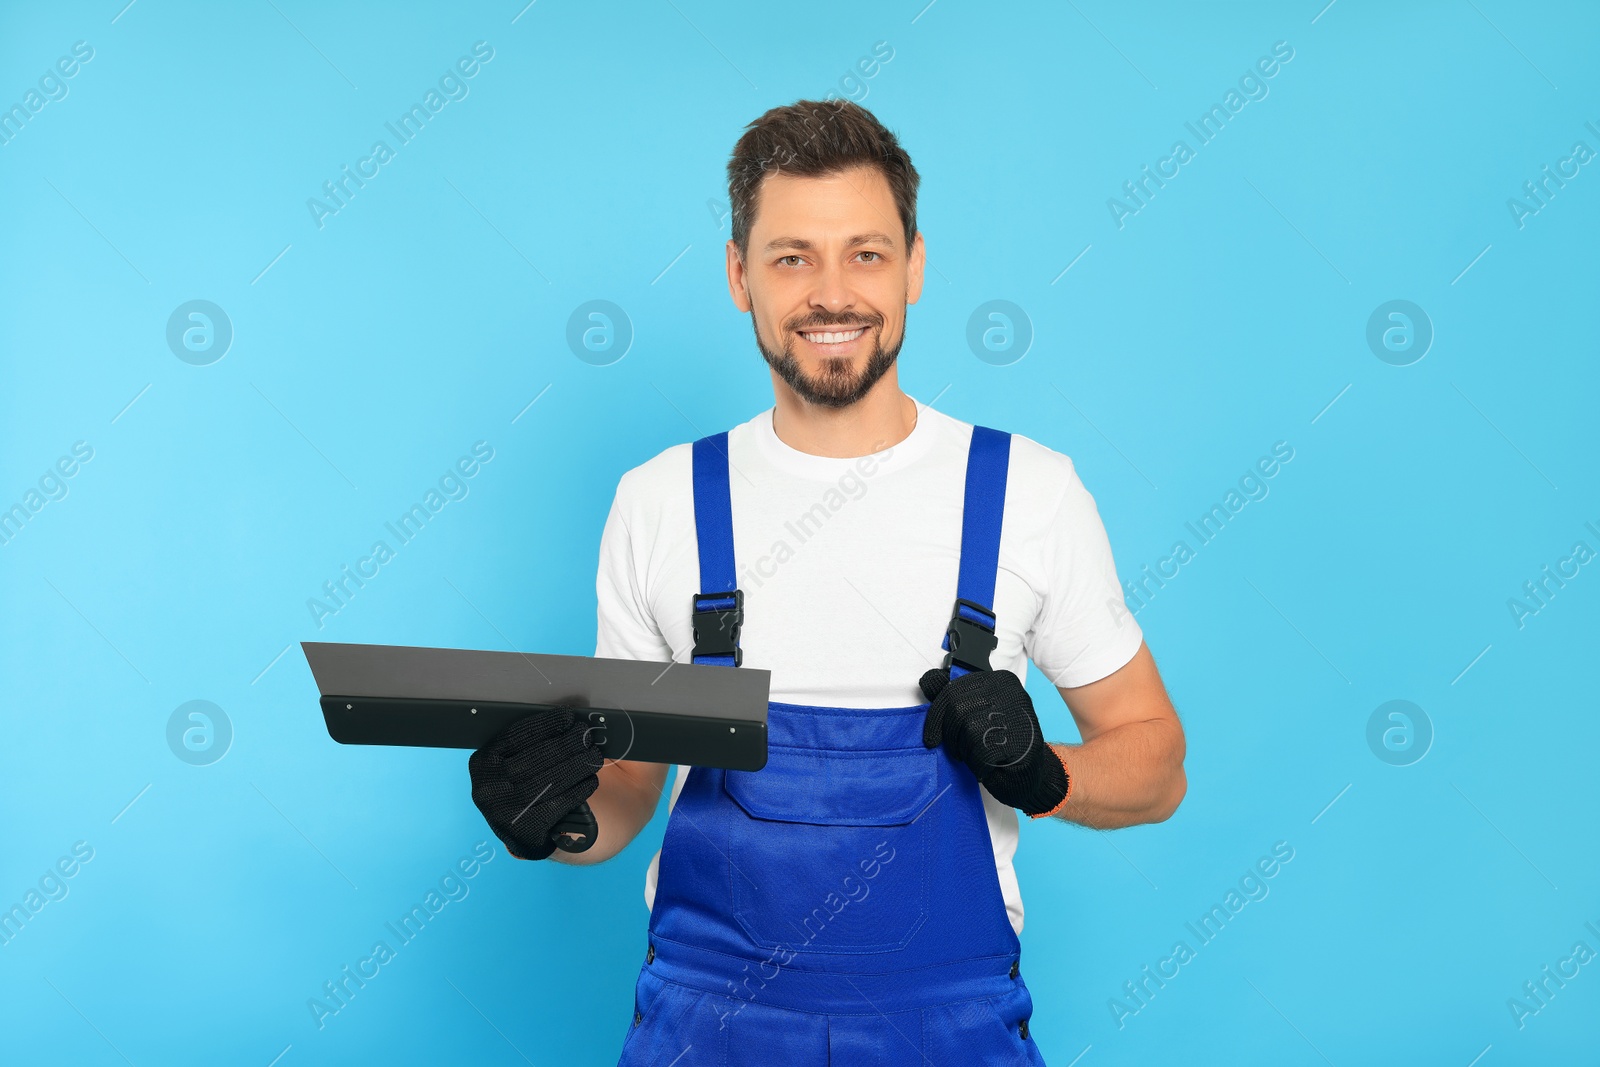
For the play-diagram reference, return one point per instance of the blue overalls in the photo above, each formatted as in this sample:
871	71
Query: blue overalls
841	905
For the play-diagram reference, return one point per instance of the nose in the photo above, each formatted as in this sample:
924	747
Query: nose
831	293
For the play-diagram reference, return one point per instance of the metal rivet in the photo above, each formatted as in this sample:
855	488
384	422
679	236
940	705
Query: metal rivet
650	955
474	711
730	729
1023	1029
637	1018
347	707
602	718
1015	967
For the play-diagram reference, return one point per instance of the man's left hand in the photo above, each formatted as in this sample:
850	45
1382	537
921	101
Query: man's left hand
986	720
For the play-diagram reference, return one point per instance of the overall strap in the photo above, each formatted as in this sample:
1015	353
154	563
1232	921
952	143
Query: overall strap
719	607
970	636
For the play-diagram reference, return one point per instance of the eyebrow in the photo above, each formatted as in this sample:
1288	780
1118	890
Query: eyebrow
803	245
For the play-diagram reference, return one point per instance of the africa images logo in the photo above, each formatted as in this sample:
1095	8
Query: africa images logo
452	85
1205	129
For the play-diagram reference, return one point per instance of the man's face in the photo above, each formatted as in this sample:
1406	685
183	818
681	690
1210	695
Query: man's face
827	281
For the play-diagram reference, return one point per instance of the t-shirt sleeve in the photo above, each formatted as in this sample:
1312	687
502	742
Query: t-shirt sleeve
1084	630
626	628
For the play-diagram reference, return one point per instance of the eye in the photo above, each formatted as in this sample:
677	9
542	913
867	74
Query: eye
783	260
878	256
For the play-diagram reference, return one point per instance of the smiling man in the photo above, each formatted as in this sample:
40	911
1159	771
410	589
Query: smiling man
854	901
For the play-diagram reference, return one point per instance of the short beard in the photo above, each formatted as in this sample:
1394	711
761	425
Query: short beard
838	387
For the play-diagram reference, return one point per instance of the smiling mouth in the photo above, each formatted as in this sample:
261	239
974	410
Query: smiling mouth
824	338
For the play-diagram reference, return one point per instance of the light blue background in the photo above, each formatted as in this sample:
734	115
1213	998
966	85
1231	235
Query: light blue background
587	163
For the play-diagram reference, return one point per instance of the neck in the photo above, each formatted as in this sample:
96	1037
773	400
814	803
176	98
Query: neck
881	419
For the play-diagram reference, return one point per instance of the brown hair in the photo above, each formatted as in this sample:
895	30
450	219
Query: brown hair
811	138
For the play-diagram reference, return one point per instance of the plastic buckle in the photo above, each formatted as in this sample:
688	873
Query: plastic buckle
580	824
969	642
716	630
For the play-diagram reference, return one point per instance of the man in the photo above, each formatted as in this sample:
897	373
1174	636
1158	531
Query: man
895	568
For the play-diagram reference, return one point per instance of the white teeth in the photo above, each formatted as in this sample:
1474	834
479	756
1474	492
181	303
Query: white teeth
834	338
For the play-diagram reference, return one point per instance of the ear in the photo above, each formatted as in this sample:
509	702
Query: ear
914	264
738	282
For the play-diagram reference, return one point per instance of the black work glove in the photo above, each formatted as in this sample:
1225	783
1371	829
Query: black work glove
530	775
986	720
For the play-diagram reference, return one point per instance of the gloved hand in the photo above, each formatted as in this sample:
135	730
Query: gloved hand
532	774
986	720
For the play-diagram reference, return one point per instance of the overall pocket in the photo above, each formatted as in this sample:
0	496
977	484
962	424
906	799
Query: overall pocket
660	1022
828	849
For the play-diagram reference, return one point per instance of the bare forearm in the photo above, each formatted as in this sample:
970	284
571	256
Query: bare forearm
624	803
1129	775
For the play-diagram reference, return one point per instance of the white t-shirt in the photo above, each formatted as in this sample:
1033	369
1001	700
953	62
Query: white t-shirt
848	568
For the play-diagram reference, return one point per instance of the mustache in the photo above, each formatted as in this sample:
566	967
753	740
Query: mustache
815	322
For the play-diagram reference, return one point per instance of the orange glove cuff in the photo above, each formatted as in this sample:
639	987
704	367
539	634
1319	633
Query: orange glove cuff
1066	771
